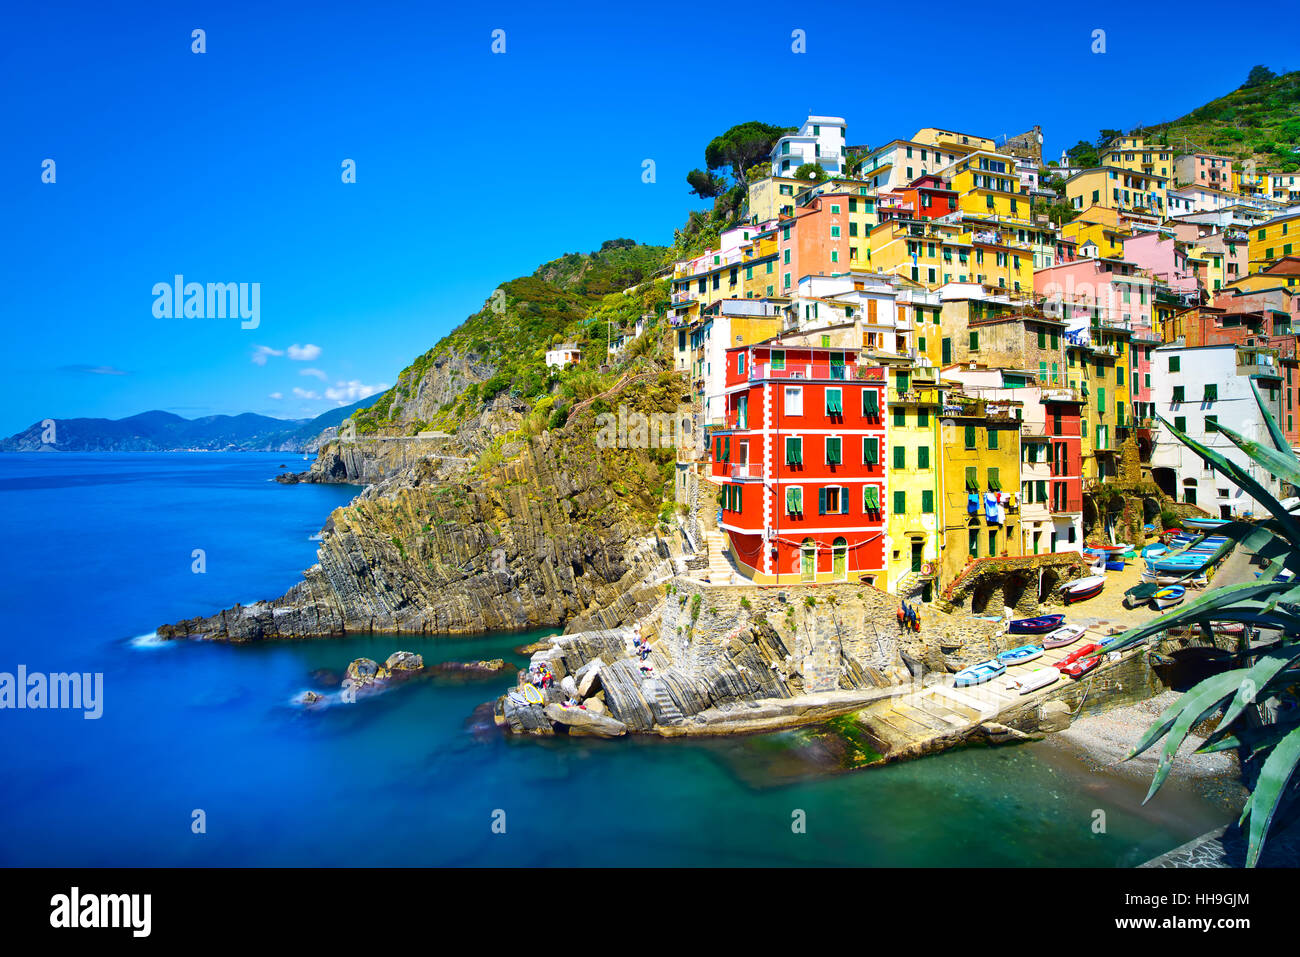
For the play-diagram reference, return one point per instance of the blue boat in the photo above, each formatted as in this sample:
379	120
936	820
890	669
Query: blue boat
978	674
1115	566
1205	522
1018	656
1035	626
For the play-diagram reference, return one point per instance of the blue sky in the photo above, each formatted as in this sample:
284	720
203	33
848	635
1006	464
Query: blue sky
472	167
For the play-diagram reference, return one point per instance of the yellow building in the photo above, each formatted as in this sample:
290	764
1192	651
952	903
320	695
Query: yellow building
1274	239
773	196
933	253
987	185
1135	154
912	436
1100	226
1129	192
1099	372
980	442
930	136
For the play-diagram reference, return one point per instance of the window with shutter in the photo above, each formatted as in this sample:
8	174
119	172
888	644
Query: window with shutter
833	451
844	501
995	482
821	501
927	501
793	451
972	479
870	451
900	457
900	503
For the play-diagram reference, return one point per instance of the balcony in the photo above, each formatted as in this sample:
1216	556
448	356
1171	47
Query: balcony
682	298
803	370
915	396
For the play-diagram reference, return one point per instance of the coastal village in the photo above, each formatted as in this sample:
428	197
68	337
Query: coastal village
920	394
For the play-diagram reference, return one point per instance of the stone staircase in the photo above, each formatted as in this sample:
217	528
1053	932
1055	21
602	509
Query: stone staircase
720	567
821	666
666	709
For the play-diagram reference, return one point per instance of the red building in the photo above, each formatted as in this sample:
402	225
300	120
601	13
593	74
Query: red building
926	197
1065	456
801	463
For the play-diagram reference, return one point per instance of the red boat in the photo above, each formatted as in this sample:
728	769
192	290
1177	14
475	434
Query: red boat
1081	667
1077	655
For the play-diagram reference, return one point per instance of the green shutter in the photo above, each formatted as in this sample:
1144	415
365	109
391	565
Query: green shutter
995	483
900	503
793	451
821	501
900	457
871	450
870	403
927	501
872	498
844	501
923	457
972	479
833	451
993	438
970	436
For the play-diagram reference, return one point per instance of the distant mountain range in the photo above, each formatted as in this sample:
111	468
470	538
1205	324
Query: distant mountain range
159	431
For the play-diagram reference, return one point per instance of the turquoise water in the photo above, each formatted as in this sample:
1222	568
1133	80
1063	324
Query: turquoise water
99	549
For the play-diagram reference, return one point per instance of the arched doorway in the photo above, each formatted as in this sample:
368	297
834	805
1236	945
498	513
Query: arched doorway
840	559
1189	491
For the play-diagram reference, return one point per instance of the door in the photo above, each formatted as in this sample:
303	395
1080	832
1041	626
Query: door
840	559
947	351
808	563
918	550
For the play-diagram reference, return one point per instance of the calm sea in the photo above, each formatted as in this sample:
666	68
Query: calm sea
100	549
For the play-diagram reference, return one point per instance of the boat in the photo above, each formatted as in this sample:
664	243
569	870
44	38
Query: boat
1168	597
1035	626
1033	679
1077	655
1077	669
1115	566
1083	589
1021	655
1140	594
1113	549
1151	551
1061	637
1205	522
978	674
532	695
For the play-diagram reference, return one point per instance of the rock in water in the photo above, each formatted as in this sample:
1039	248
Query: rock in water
404	661
362	671
585	721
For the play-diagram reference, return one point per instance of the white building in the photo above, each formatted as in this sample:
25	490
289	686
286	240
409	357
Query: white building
563	355
820	140
1195	387
710	339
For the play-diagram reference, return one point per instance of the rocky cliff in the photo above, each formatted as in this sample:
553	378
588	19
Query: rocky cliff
544	528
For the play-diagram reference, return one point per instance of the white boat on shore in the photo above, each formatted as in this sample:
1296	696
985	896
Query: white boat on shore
1034	679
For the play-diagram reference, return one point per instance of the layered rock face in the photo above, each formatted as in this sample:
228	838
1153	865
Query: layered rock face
560	529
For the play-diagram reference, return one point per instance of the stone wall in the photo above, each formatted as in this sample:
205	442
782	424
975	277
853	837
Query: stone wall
988	585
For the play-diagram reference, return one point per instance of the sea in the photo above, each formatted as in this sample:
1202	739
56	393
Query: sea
202	754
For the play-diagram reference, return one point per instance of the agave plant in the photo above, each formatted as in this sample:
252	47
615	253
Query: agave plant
1272	601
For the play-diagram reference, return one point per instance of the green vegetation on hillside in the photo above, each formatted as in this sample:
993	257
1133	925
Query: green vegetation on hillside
576	298
1260	120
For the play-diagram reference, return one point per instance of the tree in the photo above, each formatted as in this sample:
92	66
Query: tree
1083	154
742	146
1257	696
706	185
1104	136
1258	75
812	171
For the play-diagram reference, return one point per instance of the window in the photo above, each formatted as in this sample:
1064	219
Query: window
1175	363
972	479
793	450
834	405
793	400
834	450
832	500
995	480
1211	423
1180	423
900	457
871	498
778	360
970	436
927	502
900	418
870	451
923	457
922	418
742	410
974	341
794	501
973	538
993	438
993	541
1211	392
1178	394
900	503
870	404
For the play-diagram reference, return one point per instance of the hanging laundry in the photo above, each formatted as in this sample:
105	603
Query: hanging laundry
990	506
973	503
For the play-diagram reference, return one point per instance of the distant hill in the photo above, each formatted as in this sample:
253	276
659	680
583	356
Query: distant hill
159	431
1260	121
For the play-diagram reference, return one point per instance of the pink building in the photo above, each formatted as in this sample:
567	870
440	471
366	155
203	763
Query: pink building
1165	259
1092	294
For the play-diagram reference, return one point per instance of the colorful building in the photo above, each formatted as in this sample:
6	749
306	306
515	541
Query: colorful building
801	464
912	537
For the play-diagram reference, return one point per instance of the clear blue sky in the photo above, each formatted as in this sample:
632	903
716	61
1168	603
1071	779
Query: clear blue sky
472	167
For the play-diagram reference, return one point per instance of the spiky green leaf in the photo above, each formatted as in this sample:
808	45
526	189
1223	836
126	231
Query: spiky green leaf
1198	703
1273	777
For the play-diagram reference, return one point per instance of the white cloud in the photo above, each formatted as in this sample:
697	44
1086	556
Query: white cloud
305	393
262	353
304	353
316	372
276	395
352	390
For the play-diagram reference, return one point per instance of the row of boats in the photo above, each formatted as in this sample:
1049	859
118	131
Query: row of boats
1056	634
